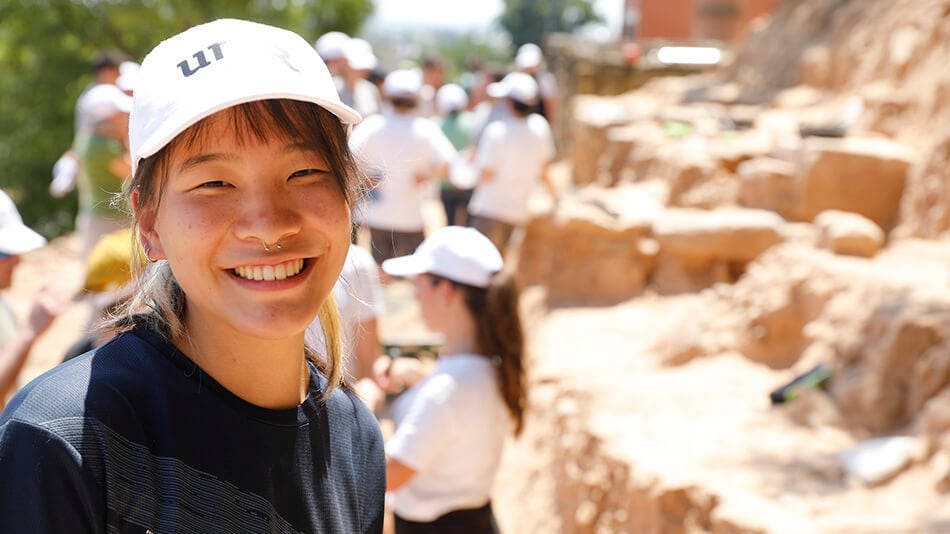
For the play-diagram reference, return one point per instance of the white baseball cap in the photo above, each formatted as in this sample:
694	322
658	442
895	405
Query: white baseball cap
128	75
402	83
517	86
15	237
457	253
359	54
220	64
102	101
529	56
331	45
450	97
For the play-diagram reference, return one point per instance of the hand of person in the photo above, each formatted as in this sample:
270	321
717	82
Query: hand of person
393	375
421	179
47	306
371	395
381	369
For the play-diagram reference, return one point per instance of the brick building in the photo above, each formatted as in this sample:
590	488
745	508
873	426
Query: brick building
691	20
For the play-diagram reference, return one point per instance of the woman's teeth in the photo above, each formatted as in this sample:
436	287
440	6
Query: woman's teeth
270	272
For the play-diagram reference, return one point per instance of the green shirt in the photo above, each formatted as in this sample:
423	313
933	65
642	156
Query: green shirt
97	184
459	127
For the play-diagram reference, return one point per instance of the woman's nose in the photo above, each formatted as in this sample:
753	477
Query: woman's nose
268	217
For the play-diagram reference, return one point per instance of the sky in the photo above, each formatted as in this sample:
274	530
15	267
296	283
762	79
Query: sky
462	14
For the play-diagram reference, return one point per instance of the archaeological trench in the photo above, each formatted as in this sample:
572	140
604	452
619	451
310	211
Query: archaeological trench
720	234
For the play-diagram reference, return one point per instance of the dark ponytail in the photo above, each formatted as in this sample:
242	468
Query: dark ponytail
498	333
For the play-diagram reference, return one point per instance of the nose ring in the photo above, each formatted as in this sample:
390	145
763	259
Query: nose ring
277	245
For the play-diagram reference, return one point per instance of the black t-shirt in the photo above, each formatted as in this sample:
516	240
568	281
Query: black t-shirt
134	437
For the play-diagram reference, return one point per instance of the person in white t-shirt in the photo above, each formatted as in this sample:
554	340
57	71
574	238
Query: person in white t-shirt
359	298
530	60
451	426
513	155
402	153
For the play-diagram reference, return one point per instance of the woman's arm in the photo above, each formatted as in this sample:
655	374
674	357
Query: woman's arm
397	473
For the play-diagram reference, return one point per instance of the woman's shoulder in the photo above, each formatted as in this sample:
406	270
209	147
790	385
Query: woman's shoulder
92	385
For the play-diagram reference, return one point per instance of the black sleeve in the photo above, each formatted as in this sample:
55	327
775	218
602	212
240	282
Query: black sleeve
43	488
373	481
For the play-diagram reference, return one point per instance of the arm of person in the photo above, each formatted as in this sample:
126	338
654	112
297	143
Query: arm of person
424	433
121	167
398	474
366	347
13	354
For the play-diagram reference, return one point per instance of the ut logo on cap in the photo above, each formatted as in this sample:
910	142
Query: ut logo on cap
203	62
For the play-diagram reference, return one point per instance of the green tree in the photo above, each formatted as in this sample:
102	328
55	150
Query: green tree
528	20
45	47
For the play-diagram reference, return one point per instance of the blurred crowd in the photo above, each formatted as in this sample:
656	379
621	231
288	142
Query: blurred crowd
480	144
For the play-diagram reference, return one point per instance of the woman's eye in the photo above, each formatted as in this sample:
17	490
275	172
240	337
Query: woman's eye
214	184
307	172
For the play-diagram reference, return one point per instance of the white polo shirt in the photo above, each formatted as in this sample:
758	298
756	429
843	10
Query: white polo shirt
397	148
516	149
359	297
450	429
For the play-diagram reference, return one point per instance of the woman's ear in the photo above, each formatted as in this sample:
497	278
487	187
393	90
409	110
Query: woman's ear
145	218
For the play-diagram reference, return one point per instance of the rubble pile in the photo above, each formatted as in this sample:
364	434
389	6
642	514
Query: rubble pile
785	214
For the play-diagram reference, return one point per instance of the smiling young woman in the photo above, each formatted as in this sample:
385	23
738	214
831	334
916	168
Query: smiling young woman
209	413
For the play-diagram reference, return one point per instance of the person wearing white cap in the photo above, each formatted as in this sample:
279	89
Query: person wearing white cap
458	125
452	425
331	46
530	60
103	165
402	152
15	340
356	91
208	412
128	76
106	66
512	157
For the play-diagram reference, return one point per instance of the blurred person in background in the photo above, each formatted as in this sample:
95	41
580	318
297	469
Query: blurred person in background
357	91
452	422
490	109
512	158
404	153
108	285
530	60
106	67
433	77
330	46
359	298
128	76
104	165
458	126
16	340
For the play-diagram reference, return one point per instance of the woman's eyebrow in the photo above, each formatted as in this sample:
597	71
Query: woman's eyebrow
198	159
301	147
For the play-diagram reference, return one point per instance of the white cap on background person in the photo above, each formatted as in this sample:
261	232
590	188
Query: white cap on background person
103	101
450	97
457	253
15	237
359	54
332	45
529	56
218	65
402	83
128	76
516	86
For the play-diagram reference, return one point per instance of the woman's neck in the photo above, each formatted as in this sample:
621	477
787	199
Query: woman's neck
270	373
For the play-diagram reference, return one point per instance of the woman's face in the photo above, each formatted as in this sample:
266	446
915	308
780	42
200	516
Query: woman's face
431	296
222	201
